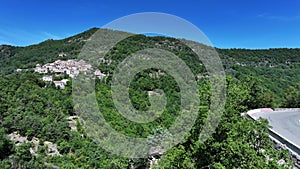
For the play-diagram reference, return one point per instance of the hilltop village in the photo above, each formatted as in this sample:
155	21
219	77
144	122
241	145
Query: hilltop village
71	67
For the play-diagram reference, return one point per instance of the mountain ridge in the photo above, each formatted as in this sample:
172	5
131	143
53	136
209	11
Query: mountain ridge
269	65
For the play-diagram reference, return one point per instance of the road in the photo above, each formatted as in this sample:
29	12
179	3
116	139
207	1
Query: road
284	123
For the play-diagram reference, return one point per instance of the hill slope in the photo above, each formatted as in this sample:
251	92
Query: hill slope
39	127
276	69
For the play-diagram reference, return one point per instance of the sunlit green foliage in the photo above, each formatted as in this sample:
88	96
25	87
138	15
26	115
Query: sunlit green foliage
33	109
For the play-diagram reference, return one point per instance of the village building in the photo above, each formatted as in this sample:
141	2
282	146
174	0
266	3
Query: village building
61	84
41	70
48	78
62	54
64	81
99	74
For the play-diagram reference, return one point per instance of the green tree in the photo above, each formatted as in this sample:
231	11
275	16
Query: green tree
292	97
6	146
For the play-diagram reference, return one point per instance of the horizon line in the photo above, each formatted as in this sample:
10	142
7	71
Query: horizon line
149	35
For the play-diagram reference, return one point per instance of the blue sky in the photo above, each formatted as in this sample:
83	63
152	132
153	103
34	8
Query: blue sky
228	24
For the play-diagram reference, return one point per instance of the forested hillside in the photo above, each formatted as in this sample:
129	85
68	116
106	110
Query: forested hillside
38	110
276	69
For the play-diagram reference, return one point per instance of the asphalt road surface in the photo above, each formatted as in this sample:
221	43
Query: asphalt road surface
285	123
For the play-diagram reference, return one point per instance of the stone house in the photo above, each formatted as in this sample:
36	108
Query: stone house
48	78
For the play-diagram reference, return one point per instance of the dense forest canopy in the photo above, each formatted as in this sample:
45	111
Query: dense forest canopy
36	109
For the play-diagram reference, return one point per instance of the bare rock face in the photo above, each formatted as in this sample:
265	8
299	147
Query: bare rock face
34	149
153	161
72	122
51	149
17	138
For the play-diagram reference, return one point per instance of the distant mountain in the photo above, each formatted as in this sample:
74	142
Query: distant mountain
154	34
276	68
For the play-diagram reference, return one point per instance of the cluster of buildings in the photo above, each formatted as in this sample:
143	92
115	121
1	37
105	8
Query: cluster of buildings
61	83
58	83
69	67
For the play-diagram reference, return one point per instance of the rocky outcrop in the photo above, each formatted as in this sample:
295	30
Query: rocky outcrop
17	138
36	143
72	122
51	149
153	161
